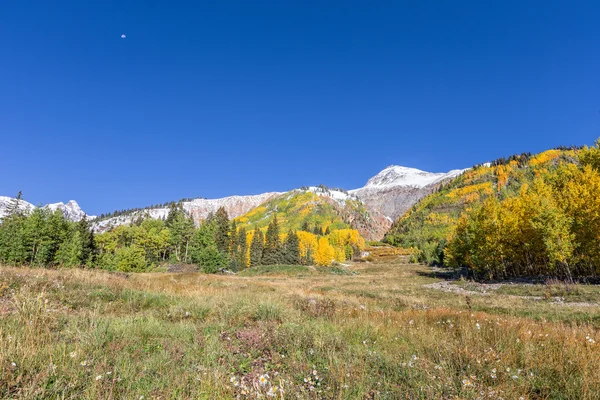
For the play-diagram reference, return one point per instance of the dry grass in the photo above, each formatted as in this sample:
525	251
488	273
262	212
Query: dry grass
372	333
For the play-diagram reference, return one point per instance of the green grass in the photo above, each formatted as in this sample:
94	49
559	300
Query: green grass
376	333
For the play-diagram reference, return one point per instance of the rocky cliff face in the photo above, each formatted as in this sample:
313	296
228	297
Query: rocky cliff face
71	210
371	209
396	189
199	209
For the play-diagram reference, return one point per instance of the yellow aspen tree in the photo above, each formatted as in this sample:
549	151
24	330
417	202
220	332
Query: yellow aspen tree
325	253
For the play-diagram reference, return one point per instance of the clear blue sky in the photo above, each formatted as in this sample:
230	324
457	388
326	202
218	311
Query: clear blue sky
214	98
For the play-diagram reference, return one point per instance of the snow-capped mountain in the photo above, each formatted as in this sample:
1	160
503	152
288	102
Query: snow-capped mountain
387	196
396	175
71	210
396	189
199	209
7	202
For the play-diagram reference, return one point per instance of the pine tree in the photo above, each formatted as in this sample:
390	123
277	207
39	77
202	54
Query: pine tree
272	253
70	252
305	226
292	249
88	244
222	239
242	248
256	248
14	205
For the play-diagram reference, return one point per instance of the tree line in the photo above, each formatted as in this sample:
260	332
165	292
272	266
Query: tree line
45	238
550	227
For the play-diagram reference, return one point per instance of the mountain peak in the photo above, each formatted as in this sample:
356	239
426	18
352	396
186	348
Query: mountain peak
397	175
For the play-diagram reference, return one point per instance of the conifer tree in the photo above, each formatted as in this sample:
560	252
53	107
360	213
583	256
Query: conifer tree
292	249
305	226
88	244
242	248
256	248
272	253
222	230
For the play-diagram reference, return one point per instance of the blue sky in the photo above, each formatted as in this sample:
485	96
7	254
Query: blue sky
214	98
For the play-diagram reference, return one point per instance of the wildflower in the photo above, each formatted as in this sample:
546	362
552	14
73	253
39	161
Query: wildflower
507	369
109	373
263	379
515	377
477	326
273	391
99	377
315	372
414	357
73	354
187	314
589	339
14	365
493	375
467	383
83	363
411	322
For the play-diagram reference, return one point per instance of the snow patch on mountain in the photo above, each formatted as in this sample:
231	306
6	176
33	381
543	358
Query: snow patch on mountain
199	209
7	202
396	175
71	210
335	194
395	189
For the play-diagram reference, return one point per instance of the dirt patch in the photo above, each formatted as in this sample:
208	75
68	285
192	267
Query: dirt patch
484	289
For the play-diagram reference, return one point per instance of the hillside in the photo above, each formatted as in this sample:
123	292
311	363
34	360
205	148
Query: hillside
317	208
395	189
430	223
199	209
370	209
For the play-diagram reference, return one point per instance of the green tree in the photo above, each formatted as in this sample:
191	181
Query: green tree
272	253
70	252
256	248
204	251
222	230
242	248
292	249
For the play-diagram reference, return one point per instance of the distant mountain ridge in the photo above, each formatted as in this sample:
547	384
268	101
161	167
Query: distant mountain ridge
372	208
396	189
71	210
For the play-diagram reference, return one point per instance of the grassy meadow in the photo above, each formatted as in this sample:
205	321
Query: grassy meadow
383	329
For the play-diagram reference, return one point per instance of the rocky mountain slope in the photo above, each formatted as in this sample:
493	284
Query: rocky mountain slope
71	210
396	189
370	209
199	209
428	224
320	208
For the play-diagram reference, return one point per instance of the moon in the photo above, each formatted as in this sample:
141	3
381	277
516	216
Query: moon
123	36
